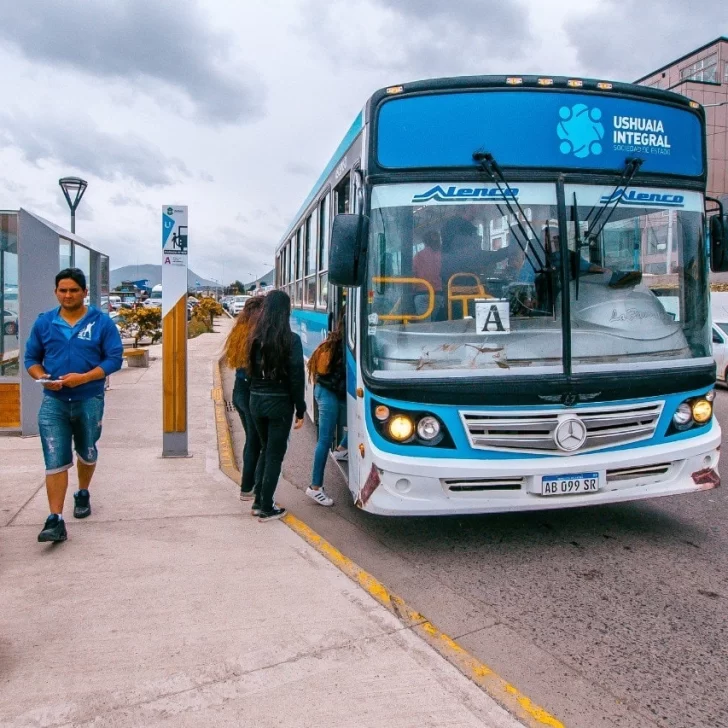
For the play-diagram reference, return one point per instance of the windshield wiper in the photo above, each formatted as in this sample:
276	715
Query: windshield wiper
495	173
631	168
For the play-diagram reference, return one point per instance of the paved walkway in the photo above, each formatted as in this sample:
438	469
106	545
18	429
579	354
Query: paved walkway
171	606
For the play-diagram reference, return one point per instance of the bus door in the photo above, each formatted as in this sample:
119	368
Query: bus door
341	305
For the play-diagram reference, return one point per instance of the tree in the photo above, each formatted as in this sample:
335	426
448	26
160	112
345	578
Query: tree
140	322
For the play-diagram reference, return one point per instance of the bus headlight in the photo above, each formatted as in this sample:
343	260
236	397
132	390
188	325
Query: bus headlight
702	411
401	428
683	416
381	412
428	428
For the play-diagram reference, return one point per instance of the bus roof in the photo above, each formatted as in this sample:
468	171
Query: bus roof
619	95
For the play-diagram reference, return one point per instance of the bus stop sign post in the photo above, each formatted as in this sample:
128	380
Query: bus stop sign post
174	331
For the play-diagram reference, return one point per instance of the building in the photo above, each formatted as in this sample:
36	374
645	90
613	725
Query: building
702	75
32	251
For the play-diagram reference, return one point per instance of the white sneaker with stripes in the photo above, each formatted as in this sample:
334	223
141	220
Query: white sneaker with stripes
319	495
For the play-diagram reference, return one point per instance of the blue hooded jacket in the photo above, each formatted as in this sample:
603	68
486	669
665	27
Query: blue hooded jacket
94	342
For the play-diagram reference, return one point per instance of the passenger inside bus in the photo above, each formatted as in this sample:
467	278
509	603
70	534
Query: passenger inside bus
427	264
466	267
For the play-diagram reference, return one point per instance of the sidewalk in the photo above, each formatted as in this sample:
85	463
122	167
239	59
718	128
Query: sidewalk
171	606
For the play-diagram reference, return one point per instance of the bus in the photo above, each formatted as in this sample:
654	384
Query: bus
522	263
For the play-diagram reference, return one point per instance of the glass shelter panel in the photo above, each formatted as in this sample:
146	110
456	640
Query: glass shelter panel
82	260
65	254
9	292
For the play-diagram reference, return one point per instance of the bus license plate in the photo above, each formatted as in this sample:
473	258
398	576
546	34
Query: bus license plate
569	484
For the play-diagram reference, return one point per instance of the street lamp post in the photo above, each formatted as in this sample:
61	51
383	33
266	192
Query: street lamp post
73	186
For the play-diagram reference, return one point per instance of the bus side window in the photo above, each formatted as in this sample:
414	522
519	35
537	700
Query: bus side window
323	255
358	182
298	290
343	195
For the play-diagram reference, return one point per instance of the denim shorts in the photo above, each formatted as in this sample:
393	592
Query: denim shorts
67	426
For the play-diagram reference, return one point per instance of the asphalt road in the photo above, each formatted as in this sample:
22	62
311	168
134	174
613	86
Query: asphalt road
606	616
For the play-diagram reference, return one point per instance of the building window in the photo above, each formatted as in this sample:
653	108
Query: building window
706	70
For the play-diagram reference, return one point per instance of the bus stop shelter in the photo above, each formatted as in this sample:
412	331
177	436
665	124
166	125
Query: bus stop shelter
32	251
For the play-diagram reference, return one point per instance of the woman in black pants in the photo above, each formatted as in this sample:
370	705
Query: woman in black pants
236	355
277	384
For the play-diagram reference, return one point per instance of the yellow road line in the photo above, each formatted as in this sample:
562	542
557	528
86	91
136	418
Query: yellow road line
499	689
505	694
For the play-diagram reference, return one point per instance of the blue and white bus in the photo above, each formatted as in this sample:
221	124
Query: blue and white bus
486	371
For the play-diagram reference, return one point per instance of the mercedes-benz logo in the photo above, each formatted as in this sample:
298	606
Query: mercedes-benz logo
570	435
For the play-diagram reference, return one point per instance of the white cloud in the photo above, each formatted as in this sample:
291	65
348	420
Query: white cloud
234	109
138	41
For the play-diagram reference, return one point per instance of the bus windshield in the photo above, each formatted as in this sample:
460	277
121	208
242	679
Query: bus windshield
643	295
462	281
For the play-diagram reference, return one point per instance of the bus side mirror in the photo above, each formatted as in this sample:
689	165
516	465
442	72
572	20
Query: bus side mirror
718	244
347	257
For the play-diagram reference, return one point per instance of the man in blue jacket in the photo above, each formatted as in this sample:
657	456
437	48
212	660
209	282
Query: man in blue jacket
73	348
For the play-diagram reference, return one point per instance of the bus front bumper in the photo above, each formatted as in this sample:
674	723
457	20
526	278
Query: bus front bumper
400	486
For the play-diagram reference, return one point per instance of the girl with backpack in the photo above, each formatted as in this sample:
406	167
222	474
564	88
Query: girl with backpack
327	371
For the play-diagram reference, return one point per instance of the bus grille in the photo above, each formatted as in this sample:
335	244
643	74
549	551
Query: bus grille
533	431
476	485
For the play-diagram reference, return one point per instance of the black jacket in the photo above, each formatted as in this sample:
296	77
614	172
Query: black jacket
291	382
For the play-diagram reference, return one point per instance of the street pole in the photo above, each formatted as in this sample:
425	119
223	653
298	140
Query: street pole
75	186
174	331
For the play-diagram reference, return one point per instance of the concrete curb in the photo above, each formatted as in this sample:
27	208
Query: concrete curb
505	694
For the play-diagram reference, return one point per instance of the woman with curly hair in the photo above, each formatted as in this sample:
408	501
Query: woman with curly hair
236	354
277	384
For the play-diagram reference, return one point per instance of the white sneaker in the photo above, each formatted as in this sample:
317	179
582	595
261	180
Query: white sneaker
319	495
341	454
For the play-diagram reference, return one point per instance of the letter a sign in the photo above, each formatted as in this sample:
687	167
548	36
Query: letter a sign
492	316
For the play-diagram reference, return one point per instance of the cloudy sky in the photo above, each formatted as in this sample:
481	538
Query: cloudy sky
233	108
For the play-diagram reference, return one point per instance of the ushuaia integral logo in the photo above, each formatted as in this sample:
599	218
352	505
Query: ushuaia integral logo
580	130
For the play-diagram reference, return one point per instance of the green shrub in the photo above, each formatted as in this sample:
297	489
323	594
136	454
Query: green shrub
196	327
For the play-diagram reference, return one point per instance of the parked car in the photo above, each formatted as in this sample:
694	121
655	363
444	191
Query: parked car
720	350
226	301
237	305
10	323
